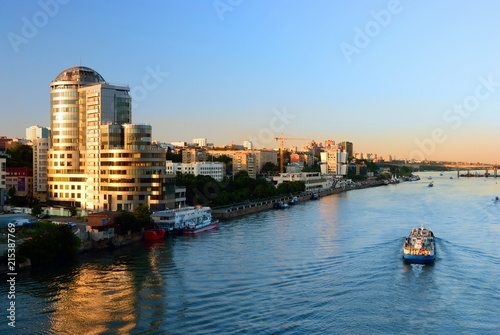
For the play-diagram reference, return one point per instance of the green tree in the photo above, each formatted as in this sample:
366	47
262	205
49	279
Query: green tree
72	210
36	209
50	242
313	168
21	155
15	200
384	176
270	167
175	157
143	214
128	222
11	192
370	166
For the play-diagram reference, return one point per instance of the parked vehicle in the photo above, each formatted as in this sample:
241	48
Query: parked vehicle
20	222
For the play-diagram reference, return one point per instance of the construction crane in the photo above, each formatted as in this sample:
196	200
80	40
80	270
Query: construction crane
282	146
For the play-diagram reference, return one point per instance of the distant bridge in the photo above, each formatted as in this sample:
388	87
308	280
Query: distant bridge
457	167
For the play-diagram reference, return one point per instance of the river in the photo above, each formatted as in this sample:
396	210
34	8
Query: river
331	266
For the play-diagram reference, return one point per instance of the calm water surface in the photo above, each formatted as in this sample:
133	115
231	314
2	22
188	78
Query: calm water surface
330	266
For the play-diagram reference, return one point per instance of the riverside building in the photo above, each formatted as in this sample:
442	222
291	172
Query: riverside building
215	170
97	159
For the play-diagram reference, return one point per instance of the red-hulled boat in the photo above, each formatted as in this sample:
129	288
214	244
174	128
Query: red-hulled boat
152	235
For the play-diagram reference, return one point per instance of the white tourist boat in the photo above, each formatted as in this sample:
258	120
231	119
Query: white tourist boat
190	218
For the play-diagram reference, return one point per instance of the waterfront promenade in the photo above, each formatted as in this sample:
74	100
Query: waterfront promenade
257	206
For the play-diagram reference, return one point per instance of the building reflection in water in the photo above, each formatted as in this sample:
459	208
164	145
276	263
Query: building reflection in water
106	298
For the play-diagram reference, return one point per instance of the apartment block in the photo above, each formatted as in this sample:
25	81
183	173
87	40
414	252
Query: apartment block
21	179
193	156
35	132
215	170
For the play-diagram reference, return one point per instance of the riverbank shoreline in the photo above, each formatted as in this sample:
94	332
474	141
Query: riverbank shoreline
119	240
254	207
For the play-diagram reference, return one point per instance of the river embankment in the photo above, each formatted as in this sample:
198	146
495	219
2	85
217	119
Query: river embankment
232	212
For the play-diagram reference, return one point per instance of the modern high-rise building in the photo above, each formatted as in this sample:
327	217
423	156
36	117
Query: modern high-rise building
98	160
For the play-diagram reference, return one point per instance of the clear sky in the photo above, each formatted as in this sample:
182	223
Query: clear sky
409	78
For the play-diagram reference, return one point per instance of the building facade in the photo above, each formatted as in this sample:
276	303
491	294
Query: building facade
314	181
193	156
302	157
200	142
97	159
334	162
215	170
348	148
35	132
245	161
21	179
251	161
40	149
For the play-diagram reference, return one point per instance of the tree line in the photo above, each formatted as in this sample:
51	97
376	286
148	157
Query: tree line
205	190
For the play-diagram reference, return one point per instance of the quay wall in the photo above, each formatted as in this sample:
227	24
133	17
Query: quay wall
254	207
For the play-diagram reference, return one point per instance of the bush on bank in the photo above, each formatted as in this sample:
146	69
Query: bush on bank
208	191
49	242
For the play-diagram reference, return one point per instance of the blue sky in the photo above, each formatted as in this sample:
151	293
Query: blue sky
234	66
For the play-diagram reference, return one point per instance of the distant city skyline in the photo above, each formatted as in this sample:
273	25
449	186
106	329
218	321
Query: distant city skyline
403	78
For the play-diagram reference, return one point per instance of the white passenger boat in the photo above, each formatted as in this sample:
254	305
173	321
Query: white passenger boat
192	219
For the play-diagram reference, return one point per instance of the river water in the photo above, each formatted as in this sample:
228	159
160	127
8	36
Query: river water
331	266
